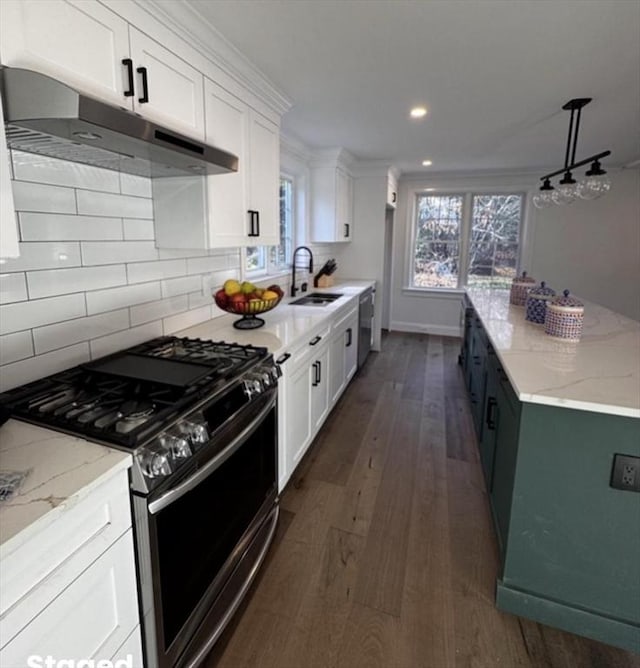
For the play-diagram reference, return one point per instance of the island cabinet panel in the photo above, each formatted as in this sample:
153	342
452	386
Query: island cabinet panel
573	539
569	542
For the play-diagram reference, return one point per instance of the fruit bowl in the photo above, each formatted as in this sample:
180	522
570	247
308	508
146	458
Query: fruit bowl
247	309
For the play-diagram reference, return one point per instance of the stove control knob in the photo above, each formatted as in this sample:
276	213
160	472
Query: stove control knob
195	432
177	446
252	386
155	464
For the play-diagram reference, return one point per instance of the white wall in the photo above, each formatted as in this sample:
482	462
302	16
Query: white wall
593	248
434	311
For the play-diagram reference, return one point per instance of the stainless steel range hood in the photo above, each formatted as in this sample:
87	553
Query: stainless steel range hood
47	117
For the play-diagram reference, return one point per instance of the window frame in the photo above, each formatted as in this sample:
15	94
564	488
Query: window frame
468	194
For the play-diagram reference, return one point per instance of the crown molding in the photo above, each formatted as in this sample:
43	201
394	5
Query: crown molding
186	21
295	148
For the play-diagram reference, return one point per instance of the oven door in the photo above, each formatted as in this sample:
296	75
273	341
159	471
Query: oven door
194	538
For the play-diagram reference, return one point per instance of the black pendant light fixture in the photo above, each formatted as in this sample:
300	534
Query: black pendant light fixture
596	183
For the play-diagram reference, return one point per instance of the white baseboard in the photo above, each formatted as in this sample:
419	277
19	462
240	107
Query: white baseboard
437	330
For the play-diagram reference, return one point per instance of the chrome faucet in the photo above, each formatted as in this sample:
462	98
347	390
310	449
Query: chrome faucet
293	269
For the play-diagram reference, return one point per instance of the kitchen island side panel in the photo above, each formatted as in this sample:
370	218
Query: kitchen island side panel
573	539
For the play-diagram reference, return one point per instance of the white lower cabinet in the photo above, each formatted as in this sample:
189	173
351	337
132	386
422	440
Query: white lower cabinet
314	375
70	590
343	353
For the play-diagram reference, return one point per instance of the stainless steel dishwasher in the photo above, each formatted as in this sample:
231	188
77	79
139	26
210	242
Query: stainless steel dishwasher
365	323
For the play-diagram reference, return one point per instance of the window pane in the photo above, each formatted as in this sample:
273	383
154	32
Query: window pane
436	265
436	250
493	249
255	258
280	256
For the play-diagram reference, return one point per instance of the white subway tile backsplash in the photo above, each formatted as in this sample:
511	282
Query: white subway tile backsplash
37	312
67	227
114	298
40	168
197	299
139	186
64	281
175	323
63	334
32	368
137	228
114	342
139	272
206	264
112	252
36	255
158	310
107	204
13	288
39	197
180	286
170	253
15	347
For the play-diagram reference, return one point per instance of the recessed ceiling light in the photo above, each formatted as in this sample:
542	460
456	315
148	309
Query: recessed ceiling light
429	190
427	163
418	112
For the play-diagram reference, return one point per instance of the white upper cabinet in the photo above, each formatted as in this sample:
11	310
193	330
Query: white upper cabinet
392	191
87	46
167	89
331	202
242	207
80	43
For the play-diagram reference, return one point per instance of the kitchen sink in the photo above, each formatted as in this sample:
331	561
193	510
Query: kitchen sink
316	299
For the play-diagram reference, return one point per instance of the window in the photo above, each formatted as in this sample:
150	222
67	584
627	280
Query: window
275	259
465	239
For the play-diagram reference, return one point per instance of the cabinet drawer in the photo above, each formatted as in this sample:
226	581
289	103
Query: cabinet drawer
90	619
33	574
312	343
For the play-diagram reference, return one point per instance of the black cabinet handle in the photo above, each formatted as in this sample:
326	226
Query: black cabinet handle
491	418
257	223
128	63
315	340
349	337
283	359
145	85
253	232
393	198
316	374
319	372
346	229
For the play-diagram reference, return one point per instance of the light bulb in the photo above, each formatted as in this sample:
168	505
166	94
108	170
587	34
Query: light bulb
594	186
564	194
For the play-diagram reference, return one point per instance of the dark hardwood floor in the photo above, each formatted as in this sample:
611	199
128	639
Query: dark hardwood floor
385	555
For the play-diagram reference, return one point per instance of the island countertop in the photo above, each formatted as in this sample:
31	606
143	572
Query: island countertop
600	373
62	470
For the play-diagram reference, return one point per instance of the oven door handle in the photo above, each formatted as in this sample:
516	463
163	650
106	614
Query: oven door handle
187	485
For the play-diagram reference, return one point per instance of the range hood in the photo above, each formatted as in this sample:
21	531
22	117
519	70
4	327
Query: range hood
49	118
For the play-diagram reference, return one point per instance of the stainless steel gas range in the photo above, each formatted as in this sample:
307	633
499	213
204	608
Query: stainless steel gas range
200	420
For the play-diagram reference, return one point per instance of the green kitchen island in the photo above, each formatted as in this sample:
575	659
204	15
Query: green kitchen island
550	416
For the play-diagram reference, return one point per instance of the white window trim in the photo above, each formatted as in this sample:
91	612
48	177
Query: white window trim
468	193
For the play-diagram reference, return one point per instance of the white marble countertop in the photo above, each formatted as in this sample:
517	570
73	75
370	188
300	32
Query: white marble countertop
285	325
62	470
600	373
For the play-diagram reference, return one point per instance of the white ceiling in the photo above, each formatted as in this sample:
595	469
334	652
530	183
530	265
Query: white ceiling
494	75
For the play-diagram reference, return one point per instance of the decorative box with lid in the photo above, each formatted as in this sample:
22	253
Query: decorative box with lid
520	287
537	303
564	317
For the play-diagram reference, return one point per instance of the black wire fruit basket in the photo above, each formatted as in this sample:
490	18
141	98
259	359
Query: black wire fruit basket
249	310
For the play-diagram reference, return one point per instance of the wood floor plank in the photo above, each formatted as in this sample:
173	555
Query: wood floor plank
394	564
381	579
362	487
